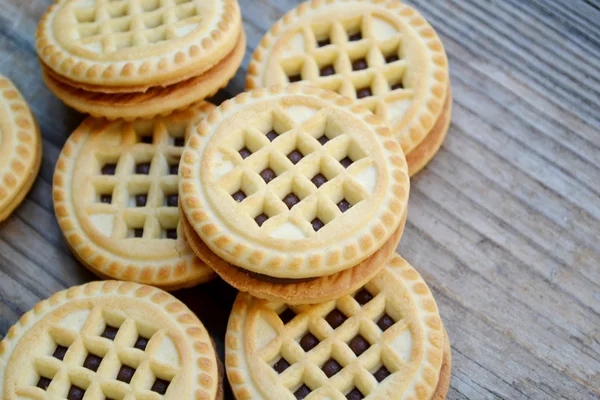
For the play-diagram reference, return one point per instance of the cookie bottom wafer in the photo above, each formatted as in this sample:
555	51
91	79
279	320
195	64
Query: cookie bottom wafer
156	101
424	152
300	292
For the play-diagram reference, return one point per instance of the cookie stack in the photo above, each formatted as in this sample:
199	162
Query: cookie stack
139	58
292	193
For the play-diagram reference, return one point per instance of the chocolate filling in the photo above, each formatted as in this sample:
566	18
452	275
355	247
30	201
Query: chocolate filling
318	180
324	42
323	139
364	92
359	345
110	332
302	392
160	386
142	168
245	153
268	175
335	318
92	362
391	58
272	279
357	65
75	393
331	367
295	156
308	342
141	343
327	70
125	373
60	352
43	383
281	365
272	135
385	322
381	374
355	394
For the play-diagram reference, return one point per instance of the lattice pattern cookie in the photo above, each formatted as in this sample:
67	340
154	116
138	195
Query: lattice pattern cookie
109	340
293	182
382	53
136	44
116	199
384	341
20	148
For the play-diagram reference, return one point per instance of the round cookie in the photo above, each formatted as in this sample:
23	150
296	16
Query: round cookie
116	199
109	340
384	341
381	53
136	44
20	148
293	182
155	101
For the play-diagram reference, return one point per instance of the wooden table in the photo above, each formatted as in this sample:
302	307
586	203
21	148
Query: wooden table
504	224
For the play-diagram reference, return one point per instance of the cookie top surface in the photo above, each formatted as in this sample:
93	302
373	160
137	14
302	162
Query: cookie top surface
384	341
19	142
382	53
116	199
136	42
115	340
293	182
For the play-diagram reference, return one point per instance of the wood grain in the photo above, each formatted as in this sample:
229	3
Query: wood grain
504	224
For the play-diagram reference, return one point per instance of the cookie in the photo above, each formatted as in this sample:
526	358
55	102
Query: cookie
133	45
293	183
20	148
155	101
109	340
115	196
386	340
381	53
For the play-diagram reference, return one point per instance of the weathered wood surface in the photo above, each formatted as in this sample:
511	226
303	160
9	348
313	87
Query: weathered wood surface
504	224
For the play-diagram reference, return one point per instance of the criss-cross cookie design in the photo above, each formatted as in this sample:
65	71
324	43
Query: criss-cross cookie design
105	26
135	192
108	356
343	346
294	172
361	58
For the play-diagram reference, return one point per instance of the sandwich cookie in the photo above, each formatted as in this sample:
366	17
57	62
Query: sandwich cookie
20	148
180	50
384	341
109	340
293	193
381	53
116	199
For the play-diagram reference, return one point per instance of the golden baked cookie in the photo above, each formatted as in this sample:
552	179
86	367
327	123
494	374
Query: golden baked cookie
293	183
116	199
380	52
385	341
133	45
20	148
155	101
109	340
